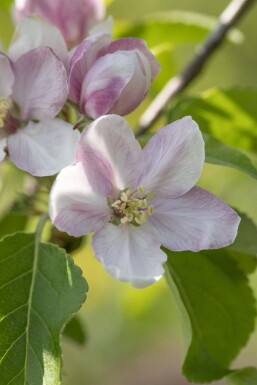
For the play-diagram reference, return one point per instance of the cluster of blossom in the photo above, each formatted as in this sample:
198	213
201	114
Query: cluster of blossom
134	200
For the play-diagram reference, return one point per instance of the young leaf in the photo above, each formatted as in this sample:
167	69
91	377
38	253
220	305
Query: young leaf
217	309
246	376
218	153
229	115
40	290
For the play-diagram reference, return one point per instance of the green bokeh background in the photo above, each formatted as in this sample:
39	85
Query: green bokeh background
134	336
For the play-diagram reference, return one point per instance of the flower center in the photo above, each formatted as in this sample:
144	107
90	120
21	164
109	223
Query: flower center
130	207
4	107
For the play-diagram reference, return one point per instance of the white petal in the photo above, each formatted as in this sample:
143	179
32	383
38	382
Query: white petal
44	148
3	144
40	88
129	253
111	140
174	158
195	221
74	206
6	77
33	32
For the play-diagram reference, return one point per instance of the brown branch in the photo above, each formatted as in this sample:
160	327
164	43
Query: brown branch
234	11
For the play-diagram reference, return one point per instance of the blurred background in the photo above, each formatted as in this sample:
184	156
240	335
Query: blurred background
134	336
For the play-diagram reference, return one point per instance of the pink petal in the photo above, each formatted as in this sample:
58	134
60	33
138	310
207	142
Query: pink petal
82	60
195	221
174	158
43	148
6	76
73	18
116	153
40	87
74	206
3	144
33	32
104	84
130	44
129	253
136	88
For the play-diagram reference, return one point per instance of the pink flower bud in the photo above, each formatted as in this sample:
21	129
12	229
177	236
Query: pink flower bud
110	76
74	18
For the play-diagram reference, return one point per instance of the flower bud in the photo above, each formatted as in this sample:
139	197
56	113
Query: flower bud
110	76
73	18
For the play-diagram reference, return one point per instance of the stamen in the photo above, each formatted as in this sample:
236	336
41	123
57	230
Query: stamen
4	106
128	208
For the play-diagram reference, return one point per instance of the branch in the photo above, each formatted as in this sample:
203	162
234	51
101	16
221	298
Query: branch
227	19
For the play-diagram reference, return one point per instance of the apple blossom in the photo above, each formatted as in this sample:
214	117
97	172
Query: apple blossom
33	89
137	200
73	18
110	76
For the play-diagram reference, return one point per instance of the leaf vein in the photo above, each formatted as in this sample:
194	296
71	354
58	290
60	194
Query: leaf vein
15	279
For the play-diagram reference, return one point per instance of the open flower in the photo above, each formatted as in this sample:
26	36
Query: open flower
137	200
110	76
33	89
73	18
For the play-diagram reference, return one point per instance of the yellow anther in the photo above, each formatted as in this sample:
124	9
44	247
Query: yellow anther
4	106
130	217
124	197
150	210
141	189
124	220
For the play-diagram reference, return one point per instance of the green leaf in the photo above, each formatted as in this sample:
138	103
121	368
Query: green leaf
217	308
178	27
246	376
75	331
40	290
218	153
229	115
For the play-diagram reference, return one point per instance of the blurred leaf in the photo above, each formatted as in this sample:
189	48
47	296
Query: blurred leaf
11	186
6	4
164	55
218	153
41	289
217	308
75	331
246	376
6	26
175	27
12	223
108	2
230	115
